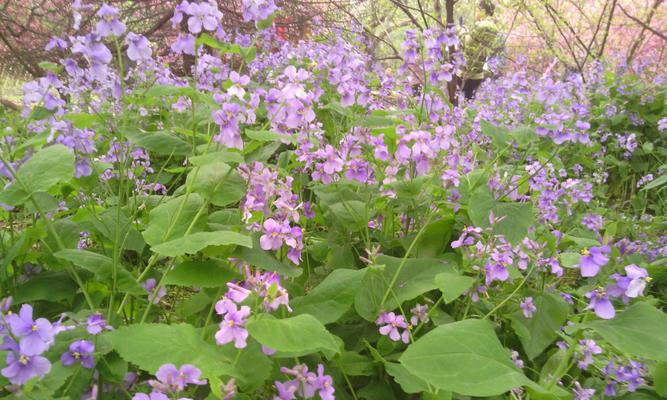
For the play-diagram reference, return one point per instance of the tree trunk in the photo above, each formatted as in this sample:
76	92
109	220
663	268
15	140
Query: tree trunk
452	86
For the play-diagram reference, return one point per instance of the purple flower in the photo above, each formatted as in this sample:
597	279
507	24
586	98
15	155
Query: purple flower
232	327
419	314
154	297
138	48
272	239
600	303
286	391
592	221
257	10
581	393
392	324
184	44
34	336
21	368
56	42
96	324
638	277
516	359
527	307
496	272
79	351
588	348
151	396
202	15
593	259
109	22
172	379
324	383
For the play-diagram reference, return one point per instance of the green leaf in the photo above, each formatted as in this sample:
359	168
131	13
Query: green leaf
329	300
524	135
222	155
415	278
499	134
352	215
464	357
660	378
49	286
150	345
539	331
171	219
639	331
452	285
110	220
569	259
194	242
433	240
268	136
160	143
102	267
299	335
354	364
253	367
409	383
217	182
266	23
200	274
257	257
515	218
40	173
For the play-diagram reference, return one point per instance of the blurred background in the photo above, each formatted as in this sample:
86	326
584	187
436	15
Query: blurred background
536	32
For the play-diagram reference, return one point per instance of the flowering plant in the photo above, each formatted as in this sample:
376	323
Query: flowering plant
291	221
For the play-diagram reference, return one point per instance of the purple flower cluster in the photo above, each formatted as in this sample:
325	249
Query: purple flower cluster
258	10
397	328
305	384
270	197
626	287
25	340
630	375
171	381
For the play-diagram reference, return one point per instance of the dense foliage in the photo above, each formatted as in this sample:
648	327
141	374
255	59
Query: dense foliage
292	220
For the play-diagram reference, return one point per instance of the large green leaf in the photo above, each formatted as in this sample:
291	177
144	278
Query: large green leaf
299	335
329	300
415	278
539	331
160	143
464	357
194	242
409	383
102	267
640	330
40	173
452	285
217	182
171	219
50	286
200	274
150	345
253	366
515	218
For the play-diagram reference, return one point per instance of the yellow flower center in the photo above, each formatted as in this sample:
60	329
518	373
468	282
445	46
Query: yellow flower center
34	328
24	360
230	323
76	355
